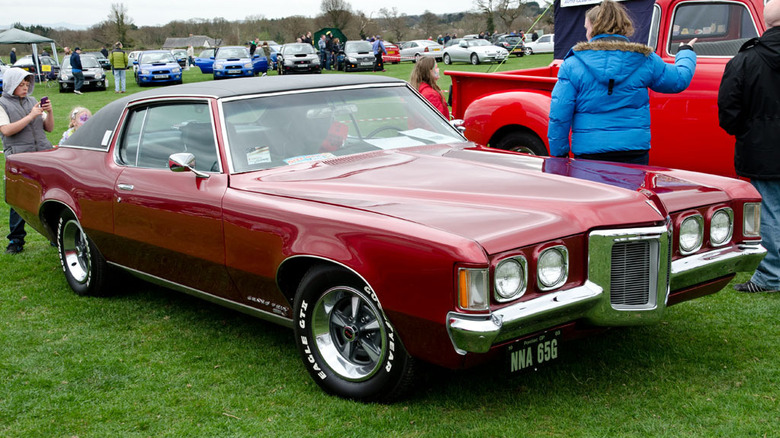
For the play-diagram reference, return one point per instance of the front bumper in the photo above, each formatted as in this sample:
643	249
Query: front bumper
591	302
160	78
234	72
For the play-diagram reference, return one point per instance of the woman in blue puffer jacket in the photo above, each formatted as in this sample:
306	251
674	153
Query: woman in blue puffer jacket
601	95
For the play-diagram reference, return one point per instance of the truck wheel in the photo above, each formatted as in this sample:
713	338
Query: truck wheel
447	59
522	142
345	340
84	266
474	59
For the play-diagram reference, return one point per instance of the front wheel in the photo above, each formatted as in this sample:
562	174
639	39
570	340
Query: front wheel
525	142
474	59
447	59
345	340
528	51
84	266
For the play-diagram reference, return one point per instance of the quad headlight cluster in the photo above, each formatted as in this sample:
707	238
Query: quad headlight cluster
721	229
510	278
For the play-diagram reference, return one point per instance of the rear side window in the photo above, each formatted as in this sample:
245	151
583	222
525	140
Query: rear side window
721	28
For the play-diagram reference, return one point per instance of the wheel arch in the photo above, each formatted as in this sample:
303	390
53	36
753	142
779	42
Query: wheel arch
493	116
292	270
50	213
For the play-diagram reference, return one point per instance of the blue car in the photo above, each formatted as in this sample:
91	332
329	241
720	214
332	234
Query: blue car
234	61
157	67
205	61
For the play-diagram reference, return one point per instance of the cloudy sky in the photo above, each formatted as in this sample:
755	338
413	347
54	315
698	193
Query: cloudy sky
154	12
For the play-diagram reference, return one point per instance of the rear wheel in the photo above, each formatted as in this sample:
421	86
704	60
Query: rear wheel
528	51
447	59
345	340
522	142
85	268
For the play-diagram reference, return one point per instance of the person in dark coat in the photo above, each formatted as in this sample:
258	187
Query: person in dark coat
76	69
749	109
13	55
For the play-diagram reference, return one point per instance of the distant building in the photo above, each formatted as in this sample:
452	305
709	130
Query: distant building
195	40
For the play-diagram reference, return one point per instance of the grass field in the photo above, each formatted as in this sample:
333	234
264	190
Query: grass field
152	362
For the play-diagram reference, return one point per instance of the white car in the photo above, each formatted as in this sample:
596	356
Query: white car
474	51
545	44
413	50
132	57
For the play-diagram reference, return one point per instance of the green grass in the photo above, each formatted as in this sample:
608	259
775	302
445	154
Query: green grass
152	362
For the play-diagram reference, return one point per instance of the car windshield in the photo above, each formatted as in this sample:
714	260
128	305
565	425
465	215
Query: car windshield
282	130
512	39
87	61
206	53
478	42
156	57
232	52
294	49
358	47
96	55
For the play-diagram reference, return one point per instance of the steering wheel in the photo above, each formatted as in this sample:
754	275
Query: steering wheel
380	129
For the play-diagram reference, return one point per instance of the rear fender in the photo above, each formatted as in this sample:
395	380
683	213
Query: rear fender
488	118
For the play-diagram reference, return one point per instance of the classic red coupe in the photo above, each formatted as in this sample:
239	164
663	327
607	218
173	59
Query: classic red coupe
347	208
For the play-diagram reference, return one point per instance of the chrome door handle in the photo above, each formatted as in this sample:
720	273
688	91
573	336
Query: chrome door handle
127	187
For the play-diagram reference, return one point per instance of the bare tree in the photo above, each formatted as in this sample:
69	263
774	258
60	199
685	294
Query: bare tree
337	12
508	11
395	22
487	8
364	23
120	23
428	24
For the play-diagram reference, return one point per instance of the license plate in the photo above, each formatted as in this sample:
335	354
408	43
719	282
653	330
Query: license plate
161	76
529	354
233	72
366	63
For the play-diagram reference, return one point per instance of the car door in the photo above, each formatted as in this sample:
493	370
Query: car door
205	61
170	223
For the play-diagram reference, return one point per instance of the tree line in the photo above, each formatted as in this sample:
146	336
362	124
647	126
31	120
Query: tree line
488	15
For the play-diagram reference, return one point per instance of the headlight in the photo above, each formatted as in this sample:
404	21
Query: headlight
248	65
472	289
721	226
144	72
352	60
510	278
553	267
315	61
691	230
65	77
98	75
218	65
751	218
176	70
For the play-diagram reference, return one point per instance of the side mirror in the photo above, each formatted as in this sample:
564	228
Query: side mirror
184	162
458	124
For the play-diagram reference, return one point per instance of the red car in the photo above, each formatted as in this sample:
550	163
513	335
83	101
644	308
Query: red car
348	209
393	55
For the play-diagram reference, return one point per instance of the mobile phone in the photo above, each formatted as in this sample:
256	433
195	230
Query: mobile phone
44	100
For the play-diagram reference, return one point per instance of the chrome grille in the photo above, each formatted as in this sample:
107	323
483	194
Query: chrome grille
630	279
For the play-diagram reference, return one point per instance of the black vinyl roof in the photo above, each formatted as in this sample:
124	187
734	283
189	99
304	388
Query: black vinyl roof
94	132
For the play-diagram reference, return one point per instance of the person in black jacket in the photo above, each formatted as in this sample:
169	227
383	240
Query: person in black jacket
75	66
749	109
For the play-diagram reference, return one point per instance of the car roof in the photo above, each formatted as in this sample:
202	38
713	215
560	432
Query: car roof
105	120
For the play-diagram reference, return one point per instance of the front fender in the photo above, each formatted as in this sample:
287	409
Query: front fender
495	113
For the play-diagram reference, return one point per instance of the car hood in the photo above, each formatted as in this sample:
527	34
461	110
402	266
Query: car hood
494	198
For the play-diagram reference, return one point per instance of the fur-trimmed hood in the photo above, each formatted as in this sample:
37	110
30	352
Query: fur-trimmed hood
611	57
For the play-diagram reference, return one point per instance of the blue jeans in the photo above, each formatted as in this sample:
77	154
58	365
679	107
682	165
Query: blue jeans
119	76
767	273
78	80
16	224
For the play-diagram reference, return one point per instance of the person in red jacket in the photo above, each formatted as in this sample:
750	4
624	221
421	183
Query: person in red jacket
424	77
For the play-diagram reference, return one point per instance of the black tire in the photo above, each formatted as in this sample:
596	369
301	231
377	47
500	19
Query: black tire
521	142
446	58
416	58
528	51
85	268
474	59
345	340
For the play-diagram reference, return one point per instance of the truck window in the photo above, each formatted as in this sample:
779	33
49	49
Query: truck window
721	28
655	24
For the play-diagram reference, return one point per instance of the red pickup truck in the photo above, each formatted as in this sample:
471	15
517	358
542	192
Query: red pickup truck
511	110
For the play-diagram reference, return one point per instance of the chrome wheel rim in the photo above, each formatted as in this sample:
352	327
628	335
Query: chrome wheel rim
349	334
75	251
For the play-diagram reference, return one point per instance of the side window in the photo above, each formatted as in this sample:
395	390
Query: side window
153	133
721	28
655	23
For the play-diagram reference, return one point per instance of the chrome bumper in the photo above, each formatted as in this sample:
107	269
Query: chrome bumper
478	333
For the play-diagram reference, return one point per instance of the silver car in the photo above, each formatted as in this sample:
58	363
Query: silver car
474	51
413	50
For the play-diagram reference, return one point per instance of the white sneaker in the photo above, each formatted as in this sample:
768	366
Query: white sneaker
76	92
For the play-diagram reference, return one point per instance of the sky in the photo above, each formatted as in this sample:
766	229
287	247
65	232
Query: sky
59	13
